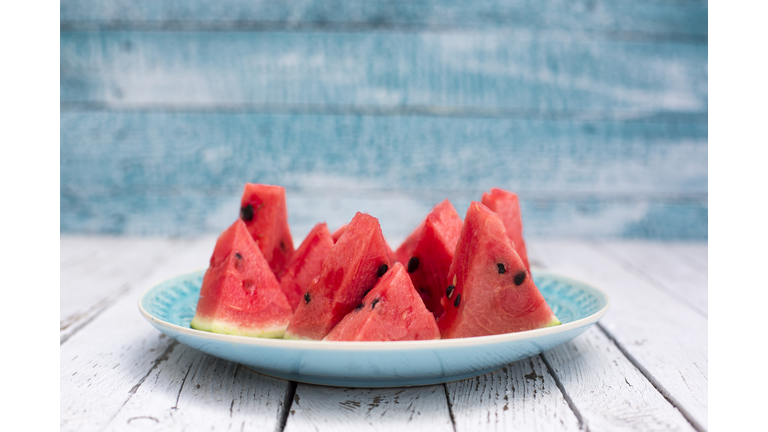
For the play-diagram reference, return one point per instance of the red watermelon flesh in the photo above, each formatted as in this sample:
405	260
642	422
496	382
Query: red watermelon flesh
306	263
337	234
240	294
265	213
507	206
492	291
431	259
405	251
392	311
352	267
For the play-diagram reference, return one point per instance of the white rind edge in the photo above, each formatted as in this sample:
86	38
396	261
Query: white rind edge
385	346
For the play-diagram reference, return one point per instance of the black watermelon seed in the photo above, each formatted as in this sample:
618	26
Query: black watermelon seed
413	264
360	306
449	291
282	246
501	268
383	269
519	278
238	256
306	298
246	213
373	304
458	300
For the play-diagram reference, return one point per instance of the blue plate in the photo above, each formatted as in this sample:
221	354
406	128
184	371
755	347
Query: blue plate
171	305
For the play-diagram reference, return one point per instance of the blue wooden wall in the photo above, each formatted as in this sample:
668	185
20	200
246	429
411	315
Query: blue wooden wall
594	111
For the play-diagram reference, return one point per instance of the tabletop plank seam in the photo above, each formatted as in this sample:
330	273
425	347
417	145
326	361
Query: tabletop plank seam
104	304
566	396
600	247
290	394
252	26
656	384
77	323
623	116
450	407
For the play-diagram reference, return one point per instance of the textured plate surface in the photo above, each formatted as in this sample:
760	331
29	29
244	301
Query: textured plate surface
170	306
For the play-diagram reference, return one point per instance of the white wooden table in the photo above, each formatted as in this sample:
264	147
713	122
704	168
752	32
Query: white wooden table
644	367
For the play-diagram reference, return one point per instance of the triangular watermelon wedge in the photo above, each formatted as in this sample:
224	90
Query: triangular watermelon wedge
240	294
507	206
351	269
432	253
392	311
306	263
489	290
264	211
337	235
405	251
339	231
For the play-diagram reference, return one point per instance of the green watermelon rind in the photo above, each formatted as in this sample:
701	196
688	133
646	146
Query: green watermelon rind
214	326
291	337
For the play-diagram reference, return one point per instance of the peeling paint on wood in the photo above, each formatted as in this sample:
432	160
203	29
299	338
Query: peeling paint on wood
519	396
318	408
664	338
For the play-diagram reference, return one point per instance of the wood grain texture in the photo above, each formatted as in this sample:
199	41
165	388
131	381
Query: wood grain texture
97	379
488	72
182	173
668	268
96	272
607	390
667	18
107	360
663	337
318	408
194	391
520	396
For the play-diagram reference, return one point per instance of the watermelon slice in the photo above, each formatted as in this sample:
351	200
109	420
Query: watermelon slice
240	295
507	206
432	253
264	212
351	269
306	263
490	290
405	251
392	311
337	234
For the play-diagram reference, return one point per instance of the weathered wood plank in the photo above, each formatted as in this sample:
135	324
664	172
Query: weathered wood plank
696	254
666	267
182	173
318	409
663	337
107	361
680	17
194	391
98	270
102	150
492	72
520	396
607	390
107	268
97	379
